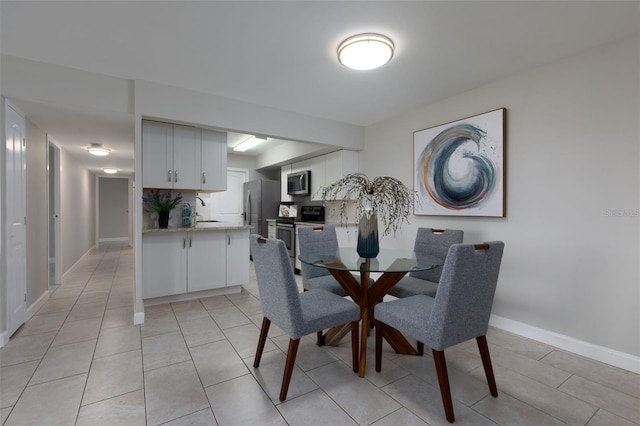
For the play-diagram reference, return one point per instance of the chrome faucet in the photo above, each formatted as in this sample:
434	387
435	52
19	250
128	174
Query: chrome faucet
202	201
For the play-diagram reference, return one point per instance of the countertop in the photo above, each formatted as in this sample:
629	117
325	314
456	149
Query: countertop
201	226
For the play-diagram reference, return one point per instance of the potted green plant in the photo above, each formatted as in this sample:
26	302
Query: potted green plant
383	197
161	203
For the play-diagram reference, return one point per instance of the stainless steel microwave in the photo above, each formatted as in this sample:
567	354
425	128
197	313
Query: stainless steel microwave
299	183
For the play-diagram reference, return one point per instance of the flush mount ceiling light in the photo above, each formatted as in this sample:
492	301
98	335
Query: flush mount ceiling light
99	150
250	143
110	171
365	51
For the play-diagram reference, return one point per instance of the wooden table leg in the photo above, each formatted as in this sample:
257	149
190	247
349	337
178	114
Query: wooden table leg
364	313
367	298
334	335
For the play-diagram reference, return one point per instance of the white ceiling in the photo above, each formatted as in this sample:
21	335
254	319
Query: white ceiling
283	54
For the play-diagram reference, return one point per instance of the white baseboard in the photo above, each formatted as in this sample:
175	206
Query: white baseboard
31	310
114	240
599	353
78	262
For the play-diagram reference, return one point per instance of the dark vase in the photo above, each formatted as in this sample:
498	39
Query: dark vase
368	246
163	219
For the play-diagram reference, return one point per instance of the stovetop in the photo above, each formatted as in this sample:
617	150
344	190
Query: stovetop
286	220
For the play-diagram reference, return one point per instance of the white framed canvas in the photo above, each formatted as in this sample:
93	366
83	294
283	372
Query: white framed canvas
459	167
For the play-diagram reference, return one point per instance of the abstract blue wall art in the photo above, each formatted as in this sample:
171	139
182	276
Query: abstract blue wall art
459	167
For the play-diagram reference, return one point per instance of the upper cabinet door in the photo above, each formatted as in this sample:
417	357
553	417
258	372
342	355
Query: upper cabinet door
157	154
213	163
186	157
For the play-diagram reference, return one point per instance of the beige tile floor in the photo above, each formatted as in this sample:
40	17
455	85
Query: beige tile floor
80	360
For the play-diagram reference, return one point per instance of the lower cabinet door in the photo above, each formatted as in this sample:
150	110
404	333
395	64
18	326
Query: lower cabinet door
207	260
238	257
164	264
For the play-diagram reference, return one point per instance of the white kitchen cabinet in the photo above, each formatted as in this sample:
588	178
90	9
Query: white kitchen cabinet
271	228
157	154
237	257
170	156
186	157
164	264
206	260
338	164
183	157
284	171
214	161
183	261
325	169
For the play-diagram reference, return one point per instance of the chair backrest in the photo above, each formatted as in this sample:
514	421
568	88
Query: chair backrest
465	294
435	242
279	292
316	240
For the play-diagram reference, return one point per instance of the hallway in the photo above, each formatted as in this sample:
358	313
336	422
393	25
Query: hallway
81	361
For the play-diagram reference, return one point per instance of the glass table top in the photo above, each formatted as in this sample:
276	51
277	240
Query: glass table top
388	260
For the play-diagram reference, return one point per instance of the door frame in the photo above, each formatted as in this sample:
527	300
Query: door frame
53	191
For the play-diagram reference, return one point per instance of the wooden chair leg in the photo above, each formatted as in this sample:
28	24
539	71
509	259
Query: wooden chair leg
354	346
486	363
288	367
420	347
266	322
379	327
320	340
443	381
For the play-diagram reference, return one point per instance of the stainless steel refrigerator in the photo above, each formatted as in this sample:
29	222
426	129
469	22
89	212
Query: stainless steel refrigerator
261	201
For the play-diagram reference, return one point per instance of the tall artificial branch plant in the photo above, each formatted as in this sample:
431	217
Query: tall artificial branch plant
385	196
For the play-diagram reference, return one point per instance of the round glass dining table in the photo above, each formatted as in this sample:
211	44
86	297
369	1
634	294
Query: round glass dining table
393	264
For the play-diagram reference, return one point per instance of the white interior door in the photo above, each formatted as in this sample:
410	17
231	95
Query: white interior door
227	206
16	219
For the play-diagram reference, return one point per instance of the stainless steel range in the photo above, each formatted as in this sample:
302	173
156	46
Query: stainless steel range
285	231
287	221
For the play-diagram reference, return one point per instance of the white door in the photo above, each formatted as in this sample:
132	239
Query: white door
227	206
16	219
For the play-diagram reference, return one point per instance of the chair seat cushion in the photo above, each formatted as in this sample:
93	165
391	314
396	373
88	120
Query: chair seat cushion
411	286
326	283
410	314
321	310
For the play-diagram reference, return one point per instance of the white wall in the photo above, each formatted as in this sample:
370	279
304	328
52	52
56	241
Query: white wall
249	163
77	210
572	227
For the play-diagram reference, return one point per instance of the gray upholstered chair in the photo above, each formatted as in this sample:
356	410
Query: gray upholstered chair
459	312
318	239
429	241
297	314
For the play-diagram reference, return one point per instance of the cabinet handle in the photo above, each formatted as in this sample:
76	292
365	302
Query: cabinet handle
175	176
184	243
169	176
204	177
228	240
189	242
